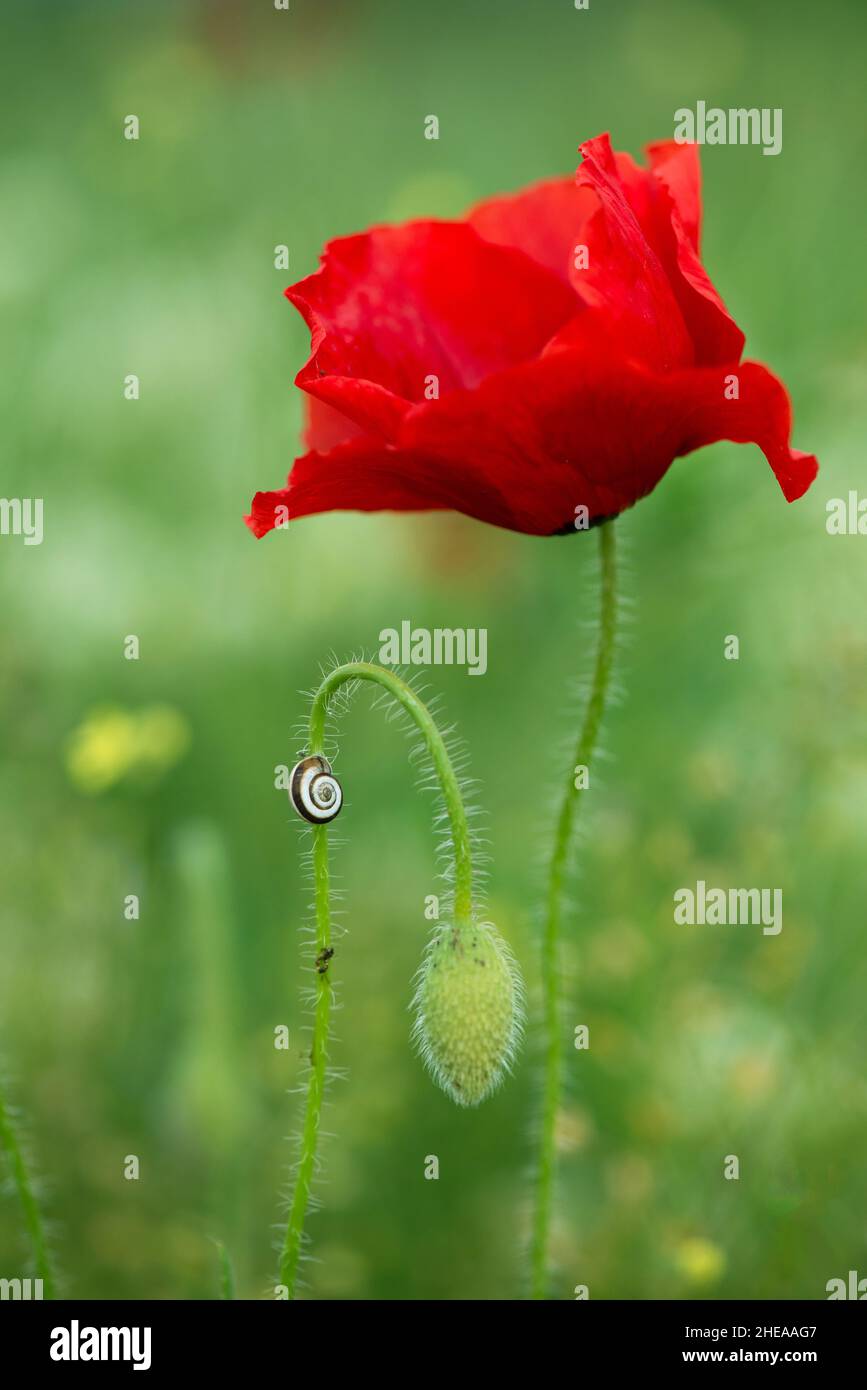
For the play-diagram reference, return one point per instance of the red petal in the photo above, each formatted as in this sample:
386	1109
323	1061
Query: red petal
678	167
533	443
363	475
761	415
550	219
393	307
325	427
625	271
547	221
666	199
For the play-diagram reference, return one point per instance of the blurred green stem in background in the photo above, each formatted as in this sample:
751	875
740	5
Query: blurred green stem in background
558	870
463	904
10	1144
209	1099
227	1273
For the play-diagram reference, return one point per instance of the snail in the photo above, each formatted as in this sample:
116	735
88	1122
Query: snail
314	791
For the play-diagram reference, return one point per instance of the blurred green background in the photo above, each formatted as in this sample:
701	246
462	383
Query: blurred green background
155	776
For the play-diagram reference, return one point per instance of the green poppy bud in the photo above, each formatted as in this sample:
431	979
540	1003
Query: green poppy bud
468	1010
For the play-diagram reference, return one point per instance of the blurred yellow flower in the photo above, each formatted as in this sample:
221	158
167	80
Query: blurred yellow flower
163	737
699	1260
111	744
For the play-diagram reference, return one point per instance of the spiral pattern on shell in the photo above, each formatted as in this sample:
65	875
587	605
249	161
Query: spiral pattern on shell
314	791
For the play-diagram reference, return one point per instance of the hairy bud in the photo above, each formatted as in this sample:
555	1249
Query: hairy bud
468	1010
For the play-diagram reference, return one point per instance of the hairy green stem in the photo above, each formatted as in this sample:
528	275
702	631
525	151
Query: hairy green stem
463	904
557	875
23	1184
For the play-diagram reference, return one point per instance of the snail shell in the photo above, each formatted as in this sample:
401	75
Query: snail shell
314	791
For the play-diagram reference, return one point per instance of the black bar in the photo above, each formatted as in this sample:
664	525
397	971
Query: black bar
197	1337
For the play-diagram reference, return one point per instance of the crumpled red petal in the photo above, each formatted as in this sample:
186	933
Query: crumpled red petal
626	272
672	215
548	221
533	443
551	219
395	307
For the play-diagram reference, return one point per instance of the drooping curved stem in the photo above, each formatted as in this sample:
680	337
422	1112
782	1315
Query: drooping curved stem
557	875
23	1185
420	714
463	906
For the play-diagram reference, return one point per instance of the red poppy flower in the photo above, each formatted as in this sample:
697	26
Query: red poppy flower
555	350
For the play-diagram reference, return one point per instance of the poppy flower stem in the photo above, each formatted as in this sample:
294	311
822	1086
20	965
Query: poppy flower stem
435	744
22	1183
406	697
557	875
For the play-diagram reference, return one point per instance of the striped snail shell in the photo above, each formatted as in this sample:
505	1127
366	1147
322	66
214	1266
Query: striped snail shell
314	791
